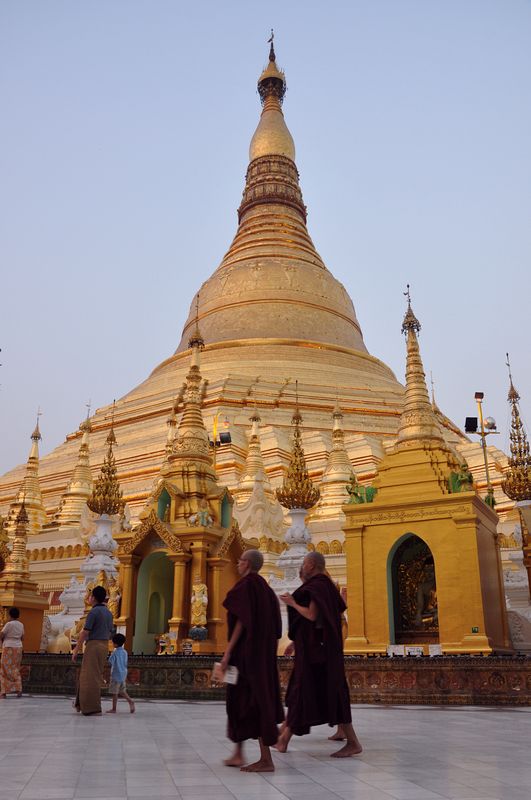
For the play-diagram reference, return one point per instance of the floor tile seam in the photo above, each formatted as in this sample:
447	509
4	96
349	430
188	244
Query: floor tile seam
424	788
36	768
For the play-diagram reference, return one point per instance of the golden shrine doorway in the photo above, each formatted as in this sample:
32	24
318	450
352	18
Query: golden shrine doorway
154	601
413	593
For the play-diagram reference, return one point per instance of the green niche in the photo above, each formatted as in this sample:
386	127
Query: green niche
360	494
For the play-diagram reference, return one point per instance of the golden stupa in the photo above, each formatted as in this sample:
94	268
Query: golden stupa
271	314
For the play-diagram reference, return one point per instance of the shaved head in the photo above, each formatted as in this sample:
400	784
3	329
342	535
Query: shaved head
254	558
314	562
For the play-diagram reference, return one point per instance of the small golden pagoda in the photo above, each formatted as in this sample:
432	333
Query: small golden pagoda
325	521
423	566
178	563
517	482
258	512
29	493
79	488
16	587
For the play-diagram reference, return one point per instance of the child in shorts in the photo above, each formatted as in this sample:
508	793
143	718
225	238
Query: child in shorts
118	662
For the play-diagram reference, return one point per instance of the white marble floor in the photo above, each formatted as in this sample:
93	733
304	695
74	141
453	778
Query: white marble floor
175	749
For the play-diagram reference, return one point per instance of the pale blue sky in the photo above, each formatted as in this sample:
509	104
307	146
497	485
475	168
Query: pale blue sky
124	140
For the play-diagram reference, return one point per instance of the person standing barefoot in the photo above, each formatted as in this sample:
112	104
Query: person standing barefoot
254	708
118	662
317	691
11	637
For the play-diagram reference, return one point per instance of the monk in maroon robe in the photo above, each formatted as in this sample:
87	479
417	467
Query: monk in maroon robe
317	690
254	707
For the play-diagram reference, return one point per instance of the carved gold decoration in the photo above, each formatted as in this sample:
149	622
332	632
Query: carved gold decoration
149	524
115	596
517	481
106	496
417	594
233	535
16	566
199	604
297	489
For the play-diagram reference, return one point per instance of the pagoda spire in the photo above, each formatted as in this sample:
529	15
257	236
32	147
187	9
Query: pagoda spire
272	137
16	567
272	262
338	470
29	493
517	481
254	469
79	488
297	490
106	497
191	438
417	422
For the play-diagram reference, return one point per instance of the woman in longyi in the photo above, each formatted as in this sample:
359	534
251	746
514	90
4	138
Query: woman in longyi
11	637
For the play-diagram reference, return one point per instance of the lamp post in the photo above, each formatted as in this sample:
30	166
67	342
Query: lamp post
224	436
486	427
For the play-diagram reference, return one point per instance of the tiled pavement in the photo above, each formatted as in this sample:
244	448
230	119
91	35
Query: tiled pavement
175	749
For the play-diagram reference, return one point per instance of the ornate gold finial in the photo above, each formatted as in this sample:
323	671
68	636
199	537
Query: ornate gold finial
410	322
196	340
272	81
272	56
517	482
106	495
36	435
417	422
86	425
297	490
255	420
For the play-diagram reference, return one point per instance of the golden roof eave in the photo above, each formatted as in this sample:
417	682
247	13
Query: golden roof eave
281	342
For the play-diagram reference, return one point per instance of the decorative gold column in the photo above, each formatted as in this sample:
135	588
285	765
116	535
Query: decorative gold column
356	638
178	619
215	617
199	551
128	565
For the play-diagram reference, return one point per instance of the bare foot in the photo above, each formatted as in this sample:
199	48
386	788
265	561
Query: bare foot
111	711
336	737
132	708
234	761
259	766
349	749
281	746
